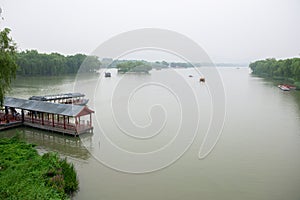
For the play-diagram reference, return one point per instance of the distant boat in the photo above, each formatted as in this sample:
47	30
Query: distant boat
283	87
107	74
202	80
190	75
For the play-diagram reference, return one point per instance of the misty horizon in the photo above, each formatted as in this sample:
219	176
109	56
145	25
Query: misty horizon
229	31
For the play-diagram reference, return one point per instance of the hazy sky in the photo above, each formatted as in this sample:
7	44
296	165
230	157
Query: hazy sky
228	30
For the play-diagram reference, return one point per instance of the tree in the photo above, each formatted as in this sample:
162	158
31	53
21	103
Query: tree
165	63
133	66
8	66
90	64
288	69
33	63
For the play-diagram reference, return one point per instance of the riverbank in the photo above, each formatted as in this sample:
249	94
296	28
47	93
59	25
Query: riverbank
24	174
286	71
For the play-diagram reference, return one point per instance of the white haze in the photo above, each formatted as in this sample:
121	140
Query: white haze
229	30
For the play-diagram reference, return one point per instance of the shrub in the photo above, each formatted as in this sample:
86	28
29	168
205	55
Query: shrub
24	174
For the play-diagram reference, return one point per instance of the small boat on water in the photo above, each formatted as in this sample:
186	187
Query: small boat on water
107	74
283	87
291	87
202	79
287	87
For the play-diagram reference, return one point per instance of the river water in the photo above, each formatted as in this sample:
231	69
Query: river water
256	156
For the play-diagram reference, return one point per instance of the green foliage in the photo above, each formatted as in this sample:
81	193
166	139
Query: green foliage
8	66
297	84
71	182
159	65
90	64
133	66
183	65
24	174
288	69
33	63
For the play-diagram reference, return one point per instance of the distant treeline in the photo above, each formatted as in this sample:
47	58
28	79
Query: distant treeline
110	63
32	63
133	66
181	65
288	69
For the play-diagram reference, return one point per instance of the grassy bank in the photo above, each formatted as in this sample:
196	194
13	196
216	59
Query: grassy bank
24	174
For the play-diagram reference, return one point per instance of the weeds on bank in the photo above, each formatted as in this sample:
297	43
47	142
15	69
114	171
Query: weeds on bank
24	174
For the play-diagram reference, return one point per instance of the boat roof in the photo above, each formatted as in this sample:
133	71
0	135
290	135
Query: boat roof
47	107
56	96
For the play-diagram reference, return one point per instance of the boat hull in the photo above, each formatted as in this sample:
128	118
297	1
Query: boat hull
283	87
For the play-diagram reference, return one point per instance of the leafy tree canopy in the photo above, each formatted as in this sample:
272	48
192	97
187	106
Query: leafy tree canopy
133	66
8	66
33	63
278	69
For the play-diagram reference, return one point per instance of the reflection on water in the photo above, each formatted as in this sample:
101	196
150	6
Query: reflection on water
47	141
292	94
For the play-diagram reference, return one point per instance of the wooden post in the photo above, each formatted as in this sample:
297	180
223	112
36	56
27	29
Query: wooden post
22	115
76	123
53	120
64	122
42	118
91	119
31	116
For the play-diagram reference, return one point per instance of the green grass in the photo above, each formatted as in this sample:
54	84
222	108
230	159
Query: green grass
24	174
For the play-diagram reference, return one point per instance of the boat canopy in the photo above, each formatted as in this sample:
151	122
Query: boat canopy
56	96
47	107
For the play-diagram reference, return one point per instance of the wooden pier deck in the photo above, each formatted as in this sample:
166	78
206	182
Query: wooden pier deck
63	118
69	131
10	125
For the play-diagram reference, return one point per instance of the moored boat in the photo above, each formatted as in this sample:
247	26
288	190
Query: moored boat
283	87
67	98
291	87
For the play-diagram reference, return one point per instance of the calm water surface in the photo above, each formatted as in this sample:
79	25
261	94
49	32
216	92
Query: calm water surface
257	156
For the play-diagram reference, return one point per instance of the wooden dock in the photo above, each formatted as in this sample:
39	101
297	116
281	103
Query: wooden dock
69	131
10	125
62	118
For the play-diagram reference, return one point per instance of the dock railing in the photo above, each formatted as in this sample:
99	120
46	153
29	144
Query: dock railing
58	125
